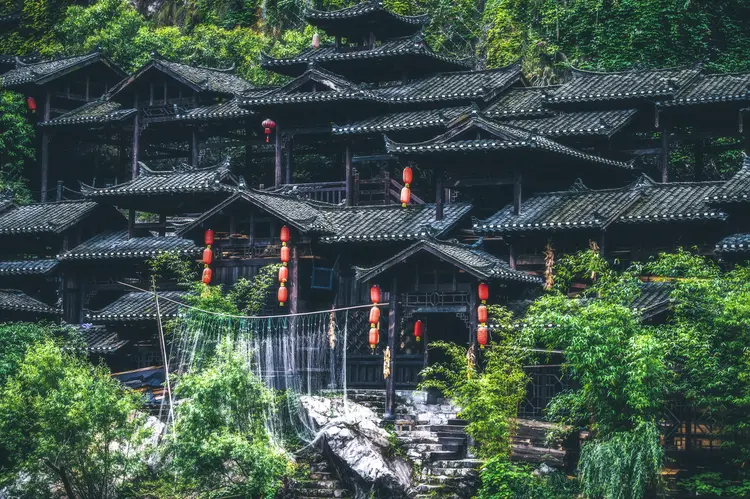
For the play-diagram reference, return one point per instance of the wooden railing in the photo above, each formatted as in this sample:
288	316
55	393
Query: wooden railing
375	191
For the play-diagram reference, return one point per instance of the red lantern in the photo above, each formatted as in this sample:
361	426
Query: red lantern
268	125
374	316
286	253
208	238
408	176
405	196
282	295
208	256
207	274
484	292
482	314
285	235
31	103
482	336
283	274
375	294
374	337
418	330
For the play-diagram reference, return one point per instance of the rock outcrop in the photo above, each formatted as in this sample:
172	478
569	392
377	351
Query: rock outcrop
358	447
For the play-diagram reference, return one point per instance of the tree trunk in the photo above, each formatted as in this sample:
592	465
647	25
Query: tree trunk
63	477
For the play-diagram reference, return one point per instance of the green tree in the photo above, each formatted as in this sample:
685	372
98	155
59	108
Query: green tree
67	423
17	338
220	446
16	144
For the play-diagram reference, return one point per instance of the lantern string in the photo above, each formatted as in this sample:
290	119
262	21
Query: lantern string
182	304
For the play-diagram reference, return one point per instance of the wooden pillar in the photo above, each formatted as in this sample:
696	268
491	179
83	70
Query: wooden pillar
131	222
747	142
136	145
277	158
664	159
349	180
289	148
194	148
59	190
699	173
394	318
162	224
121	159
248	150
512	257
45	148
517	194
473	318
439	194
294	282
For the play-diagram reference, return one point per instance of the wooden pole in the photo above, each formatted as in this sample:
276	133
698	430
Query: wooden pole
517	197
394	318
512	257
277	159
45	149
294	281
162	224
349	180
289	147
248	150
194	148
136	146
699	173
439	194
664	158
473	319
131	222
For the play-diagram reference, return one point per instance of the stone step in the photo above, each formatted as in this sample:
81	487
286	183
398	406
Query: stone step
319	484
321	475
460	472
445	455
325	493
458	422
451	435
458	463
444	428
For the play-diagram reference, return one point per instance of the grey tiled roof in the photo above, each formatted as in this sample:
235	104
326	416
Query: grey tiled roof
304	215
624	85
27	267
45	217
207	79
735	243
99	341
99	111
654	298
337	88
709	88
115	245
42	72
6	202
370	12
576	208
186	179
737	188
475	261
414	45
584	123
16	301
408	120
504	137
223	110
674	201
392	222
456	86
519	102
138	306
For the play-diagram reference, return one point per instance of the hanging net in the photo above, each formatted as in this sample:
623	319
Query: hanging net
295	356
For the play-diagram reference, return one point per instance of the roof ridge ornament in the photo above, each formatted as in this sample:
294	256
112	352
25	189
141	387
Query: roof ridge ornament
643	181
578	186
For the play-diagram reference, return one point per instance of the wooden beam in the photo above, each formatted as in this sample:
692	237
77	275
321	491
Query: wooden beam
373	157
394	317
45	149
277	158
517	194
484	182
349	179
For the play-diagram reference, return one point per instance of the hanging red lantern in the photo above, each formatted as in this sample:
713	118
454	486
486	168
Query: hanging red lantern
482	314
374	338
405	196
282	295
207	275
484	292
208	238
283	274
375	294
418	330
482	336
374	316
31	104
268	125
208	256
286	254
285	235
408	176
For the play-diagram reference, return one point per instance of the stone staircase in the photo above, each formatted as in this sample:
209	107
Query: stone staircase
320	483
434	439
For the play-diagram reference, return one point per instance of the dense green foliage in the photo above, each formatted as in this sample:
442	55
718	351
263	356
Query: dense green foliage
16	338
16	144
502	479
67	423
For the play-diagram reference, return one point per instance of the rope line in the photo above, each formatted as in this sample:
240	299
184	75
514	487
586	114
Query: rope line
328	311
